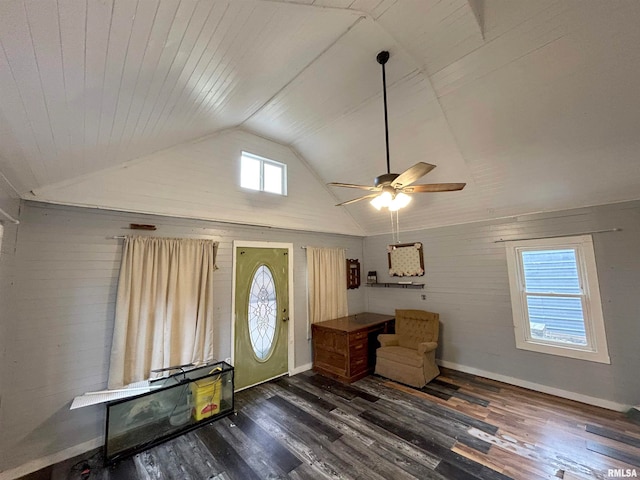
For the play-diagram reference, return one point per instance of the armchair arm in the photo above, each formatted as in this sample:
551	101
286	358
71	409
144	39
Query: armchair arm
388	339
427	347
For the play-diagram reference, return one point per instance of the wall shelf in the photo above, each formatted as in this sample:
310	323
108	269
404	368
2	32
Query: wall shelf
396	285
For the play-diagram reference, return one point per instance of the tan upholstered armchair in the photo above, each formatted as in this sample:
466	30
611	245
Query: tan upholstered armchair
409	355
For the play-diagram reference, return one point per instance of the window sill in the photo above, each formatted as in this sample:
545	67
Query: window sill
562	351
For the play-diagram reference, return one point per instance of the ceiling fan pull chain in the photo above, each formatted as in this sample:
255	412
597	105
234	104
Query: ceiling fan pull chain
393	230
395	226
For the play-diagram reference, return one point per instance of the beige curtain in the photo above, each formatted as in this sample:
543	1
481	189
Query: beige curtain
164	310
327	283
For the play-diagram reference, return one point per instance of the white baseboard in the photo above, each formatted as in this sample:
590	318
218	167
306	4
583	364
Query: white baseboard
297	370
558	392
35	465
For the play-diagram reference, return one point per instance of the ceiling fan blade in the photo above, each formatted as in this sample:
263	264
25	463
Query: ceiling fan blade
412	174
434	187
351	185
357	199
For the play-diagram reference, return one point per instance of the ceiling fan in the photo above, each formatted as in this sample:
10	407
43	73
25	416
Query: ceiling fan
390	189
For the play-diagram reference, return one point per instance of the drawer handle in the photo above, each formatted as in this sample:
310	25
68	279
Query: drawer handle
359	346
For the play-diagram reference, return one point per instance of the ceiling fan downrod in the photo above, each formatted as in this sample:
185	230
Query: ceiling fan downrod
391	189
382	59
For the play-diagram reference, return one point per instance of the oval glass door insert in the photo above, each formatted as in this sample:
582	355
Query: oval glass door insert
263	310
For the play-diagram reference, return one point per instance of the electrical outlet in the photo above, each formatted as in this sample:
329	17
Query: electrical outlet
423	296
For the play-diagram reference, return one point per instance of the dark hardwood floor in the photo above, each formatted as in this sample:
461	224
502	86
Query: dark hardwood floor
458	427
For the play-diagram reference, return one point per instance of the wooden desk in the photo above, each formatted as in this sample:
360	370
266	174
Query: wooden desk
345	348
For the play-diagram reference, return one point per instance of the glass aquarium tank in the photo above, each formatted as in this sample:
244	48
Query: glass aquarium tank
176	404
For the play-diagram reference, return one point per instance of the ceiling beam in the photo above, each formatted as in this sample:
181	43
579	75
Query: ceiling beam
477	7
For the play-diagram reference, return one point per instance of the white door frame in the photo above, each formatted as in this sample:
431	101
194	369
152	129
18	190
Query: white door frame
291	330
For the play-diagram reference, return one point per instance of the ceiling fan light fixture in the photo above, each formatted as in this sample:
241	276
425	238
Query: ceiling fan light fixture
401	200
377	203
383	200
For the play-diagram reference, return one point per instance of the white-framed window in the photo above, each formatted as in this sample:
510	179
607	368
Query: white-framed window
257	173
555	297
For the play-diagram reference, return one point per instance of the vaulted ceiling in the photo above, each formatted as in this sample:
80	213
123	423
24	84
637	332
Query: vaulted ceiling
535	104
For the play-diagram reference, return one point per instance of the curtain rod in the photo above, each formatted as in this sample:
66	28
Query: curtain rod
304	247
121	237
9	217
558	236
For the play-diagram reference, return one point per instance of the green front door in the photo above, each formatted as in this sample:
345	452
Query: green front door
261	314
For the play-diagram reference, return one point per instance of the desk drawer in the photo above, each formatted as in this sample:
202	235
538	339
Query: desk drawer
358	347
358	364
358	336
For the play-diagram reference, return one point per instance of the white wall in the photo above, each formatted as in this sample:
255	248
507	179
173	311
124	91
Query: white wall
11	205
201	179
59	335
467	283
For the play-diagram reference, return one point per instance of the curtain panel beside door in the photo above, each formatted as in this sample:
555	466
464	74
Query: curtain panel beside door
164	306
326	273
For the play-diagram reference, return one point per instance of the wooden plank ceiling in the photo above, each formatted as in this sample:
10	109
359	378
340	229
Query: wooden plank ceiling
534	104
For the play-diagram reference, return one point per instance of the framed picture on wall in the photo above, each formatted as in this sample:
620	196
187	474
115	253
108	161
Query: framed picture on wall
406	260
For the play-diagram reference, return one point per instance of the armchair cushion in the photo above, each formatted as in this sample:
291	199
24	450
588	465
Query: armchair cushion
388	339
401	355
